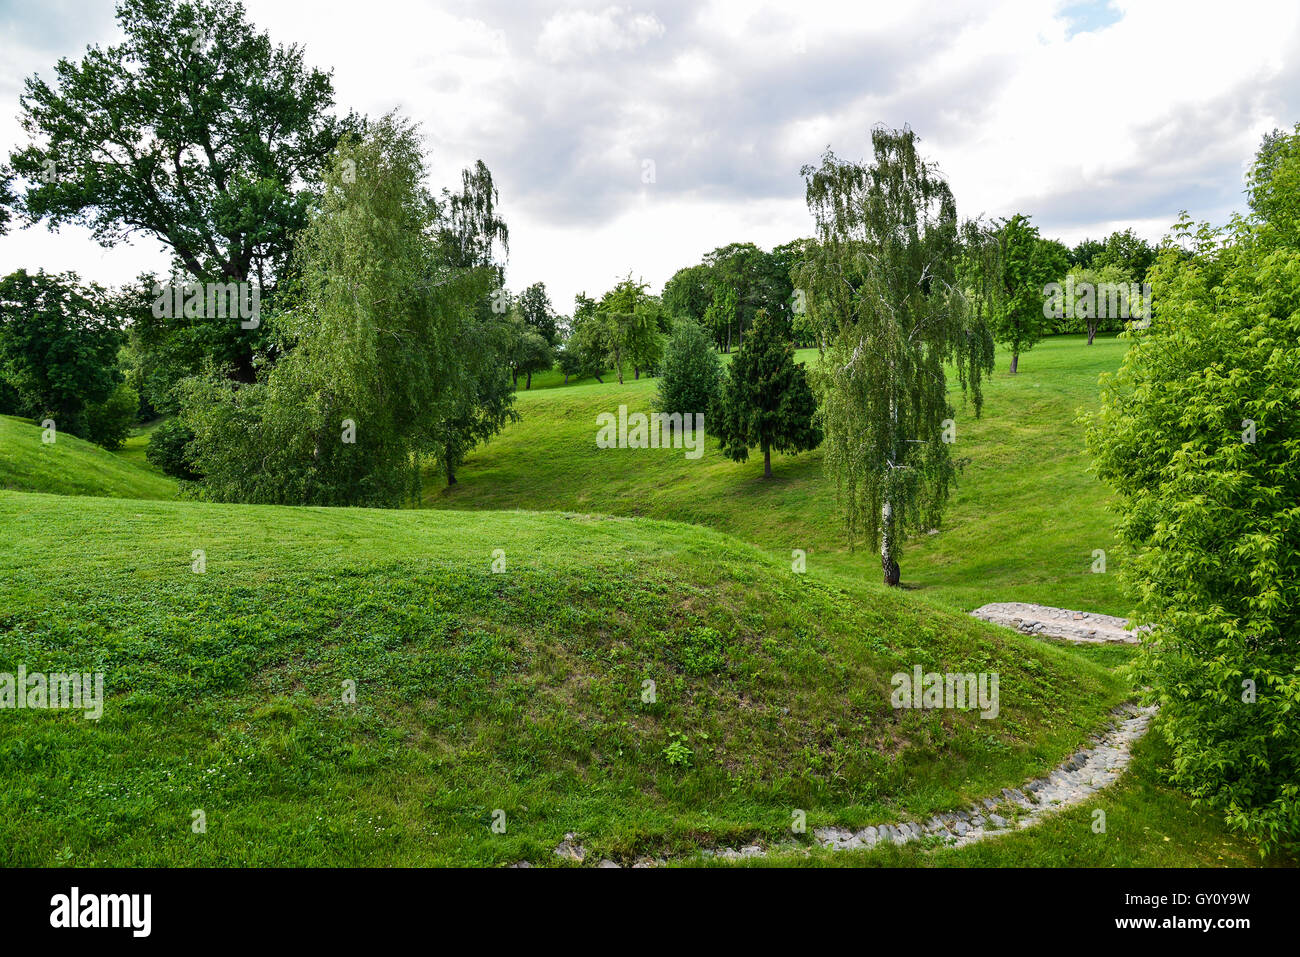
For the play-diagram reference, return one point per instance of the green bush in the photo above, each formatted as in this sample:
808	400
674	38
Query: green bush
167	450
108	423
1199	435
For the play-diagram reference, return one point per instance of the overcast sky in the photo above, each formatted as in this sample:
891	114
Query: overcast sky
1086	116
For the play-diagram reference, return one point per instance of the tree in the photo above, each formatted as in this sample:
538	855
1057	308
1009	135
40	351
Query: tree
586	348
689	292
7	198
345	417
58	346
645	336
195	130
527	351
1094	299
535	308
1127	252
168	450
483	404
1027	264
766	400
469	229
1197	435
720	314
108	423
897	289
623	327
1084	253
692	372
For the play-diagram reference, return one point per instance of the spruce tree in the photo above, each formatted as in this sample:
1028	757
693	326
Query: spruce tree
766	401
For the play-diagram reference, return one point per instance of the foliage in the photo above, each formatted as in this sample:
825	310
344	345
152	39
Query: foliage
58	346
897	291
196	130
766	400
535	308
168	450
527	350
1199	438
688	292
108	423
1027	263
365	391
691	378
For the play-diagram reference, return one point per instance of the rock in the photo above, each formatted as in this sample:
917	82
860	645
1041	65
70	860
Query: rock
606	863
570	850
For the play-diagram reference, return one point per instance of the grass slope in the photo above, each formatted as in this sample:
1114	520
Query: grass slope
72	466
1022	525
475	691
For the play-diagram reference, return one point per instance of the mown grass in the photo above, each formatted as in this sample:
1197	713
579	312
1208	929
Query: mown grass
1023	523
72	466
475	690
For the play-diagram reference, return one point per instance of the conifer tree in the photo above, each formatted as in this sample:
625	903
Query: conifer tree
766	401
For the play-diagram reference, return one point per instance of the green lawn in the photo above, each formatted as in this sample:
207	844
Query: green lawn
1022	525
476	691
521	691
72	466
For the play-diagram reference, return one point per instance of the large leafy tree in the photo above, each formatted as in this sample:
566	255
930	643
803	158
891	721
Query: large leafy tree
766	401
756	279
59	341
897	289
536	309
470	230
1198	435
197	130
720	314
622	328
1026	265
689	292
483	402
374	375
1126	252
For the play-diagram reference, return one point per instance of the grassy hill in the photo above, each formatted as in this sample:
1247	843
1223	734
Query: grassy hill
72	466
475	691
521	691
1022	525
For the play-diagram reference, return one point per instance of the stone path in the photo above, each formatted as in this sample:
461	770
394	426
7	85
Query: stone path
1077	626
1076	780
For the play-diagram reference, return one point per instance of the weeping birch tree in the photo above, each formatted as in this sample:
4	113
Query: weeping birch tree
896	289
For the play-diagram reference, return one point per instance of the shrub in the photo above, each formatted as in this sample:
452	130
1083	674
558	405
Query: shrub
167	450
108	423
1198	434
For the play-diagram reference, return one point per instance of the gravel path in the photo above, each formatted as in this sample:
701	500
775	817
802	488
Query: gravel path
1076	780
1078	626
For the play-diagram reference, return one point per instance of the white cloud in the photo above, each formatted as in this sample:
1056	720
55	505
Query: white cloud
573	34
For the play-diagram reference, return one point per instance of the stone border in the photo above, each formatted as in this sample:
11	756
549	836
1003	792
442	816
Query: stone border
1075	781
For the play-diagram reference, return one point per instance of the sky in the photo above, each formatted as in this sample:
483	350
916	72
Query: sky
639	137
